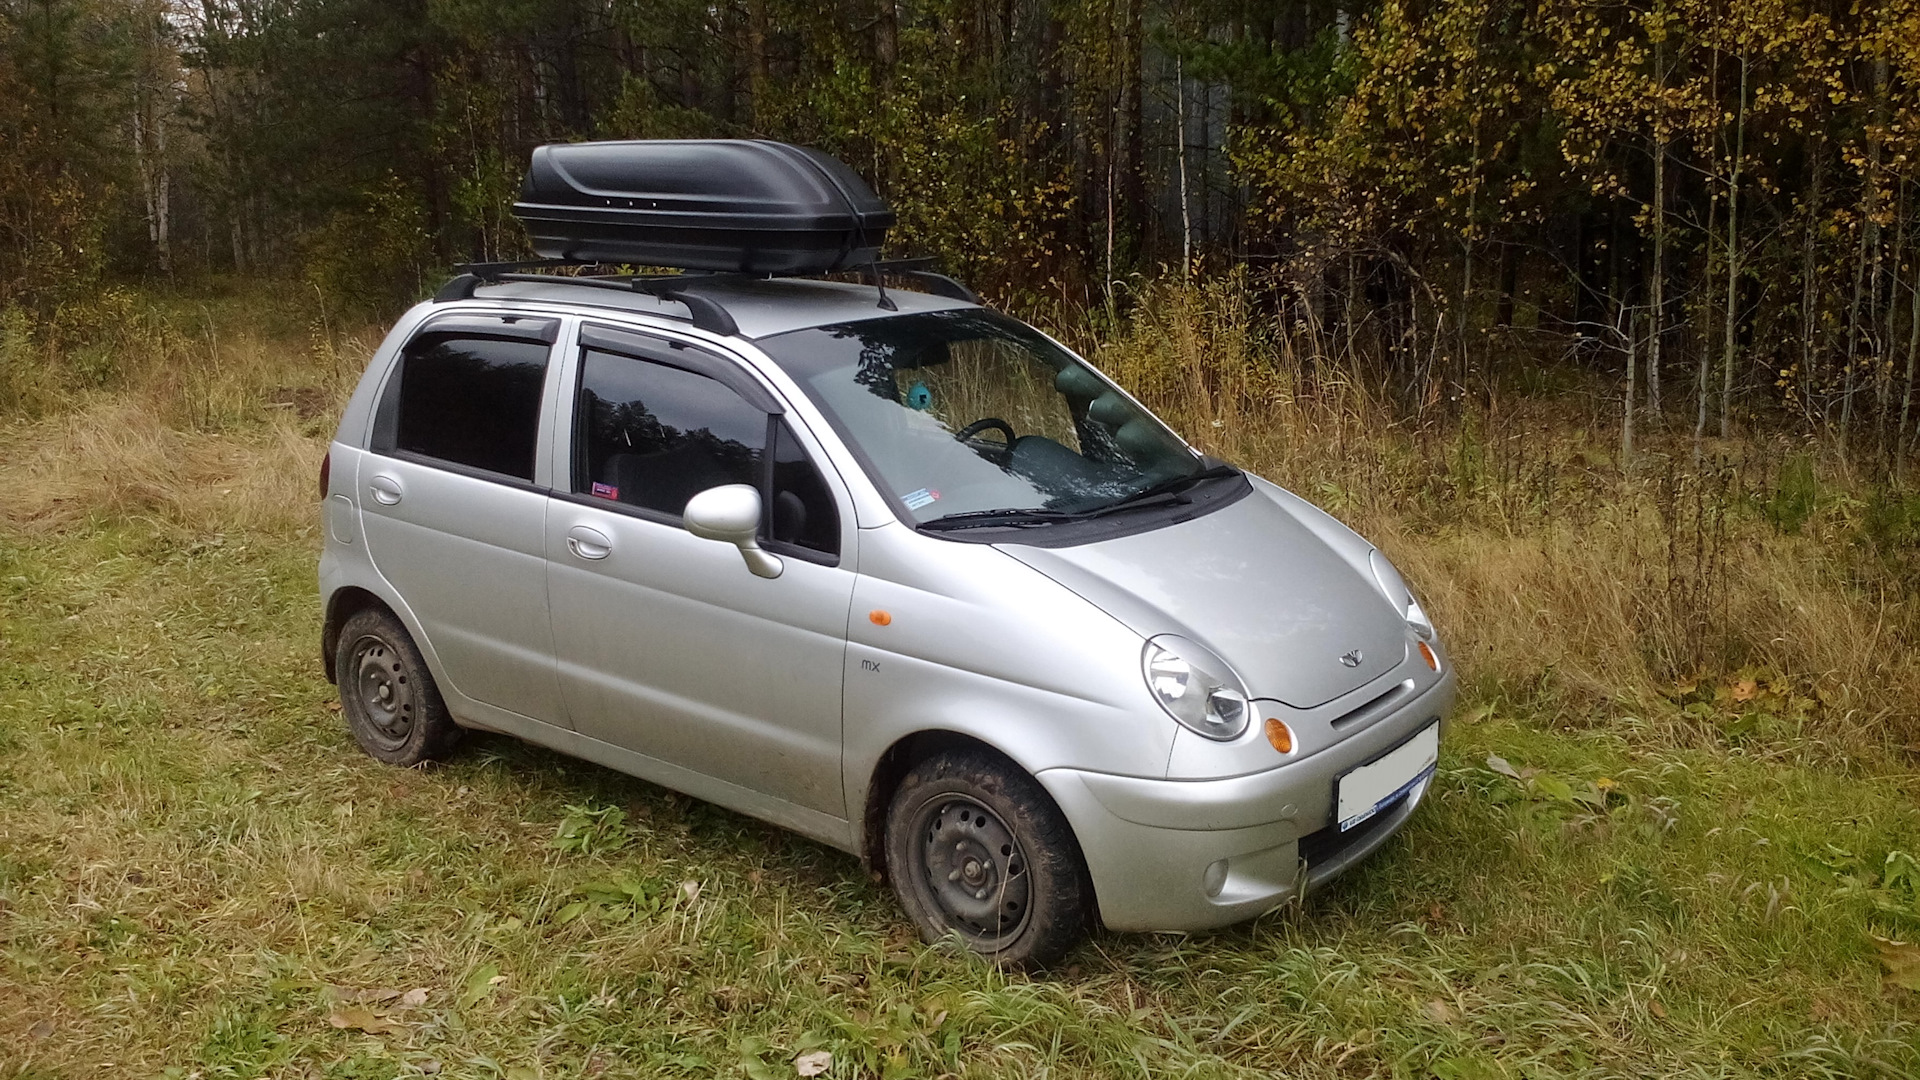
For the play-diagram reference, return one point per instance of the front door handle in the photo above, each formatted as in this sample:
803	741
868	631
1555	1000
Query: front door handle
386	490
588	543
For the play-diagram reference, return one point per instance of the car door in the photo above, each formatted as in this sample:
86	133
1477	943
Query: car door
667	645
454	508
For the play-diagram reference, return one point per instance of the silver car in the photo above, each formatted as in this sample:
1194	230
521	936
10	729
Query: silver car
896	572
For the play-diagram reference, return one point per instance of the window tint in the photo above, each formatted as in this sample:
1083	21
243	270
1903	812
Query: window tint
655	436
802	510
471	401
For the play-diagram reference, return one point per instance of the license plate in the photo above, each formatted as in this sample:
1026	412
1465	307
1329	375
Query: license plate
1360	793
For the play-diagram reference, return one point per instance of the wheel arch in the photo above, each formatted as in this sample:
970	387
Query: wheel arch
344	604
893	765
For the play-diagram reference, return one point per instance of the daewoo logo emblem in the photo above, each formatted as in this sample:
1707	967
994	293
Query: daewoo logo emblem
1351	659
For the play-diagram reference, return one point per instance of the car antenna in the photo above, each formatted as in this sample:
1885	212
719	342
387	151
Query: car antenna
880	283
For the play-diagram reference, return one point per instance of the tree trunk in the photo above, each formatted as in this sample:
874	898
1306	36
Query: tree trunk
1728	347
1626	413
1889	436
1913	351
1186	216
1657	314
757	65
1809	285
1657	311
1133	94
1510	258
1869	239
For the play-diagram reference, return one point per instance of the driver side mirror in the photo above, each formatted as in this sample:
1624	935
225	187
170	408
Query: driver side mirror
731	514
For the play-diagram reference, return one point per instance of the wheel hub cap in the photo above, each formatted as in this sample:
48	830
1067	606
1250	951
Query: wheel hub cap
975	868
382	689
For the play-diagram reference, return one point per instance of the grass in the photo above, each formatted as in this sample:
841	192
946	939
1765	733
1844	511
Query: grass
1644	854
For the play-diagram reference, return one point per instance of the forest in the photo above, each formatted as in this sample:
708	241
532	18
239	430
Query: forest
1709	204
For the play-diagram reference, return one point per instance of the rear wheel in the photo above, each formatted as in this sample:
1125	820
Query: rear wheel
977	850
387	695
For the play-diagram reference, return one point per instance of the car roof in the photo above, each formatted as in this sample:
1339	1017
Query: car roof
761	307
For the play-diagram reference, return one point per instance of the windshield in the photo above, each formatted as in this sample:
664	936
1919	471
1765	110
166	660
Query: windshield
968	417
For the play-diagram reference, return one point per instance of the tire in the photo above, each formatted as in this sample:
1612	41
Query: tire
978	851
392	706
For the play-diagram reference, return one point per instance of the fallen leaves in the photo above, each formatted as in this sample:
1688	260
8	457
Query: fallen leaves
480	985
813	1063
357	1009
1902	961
361	1018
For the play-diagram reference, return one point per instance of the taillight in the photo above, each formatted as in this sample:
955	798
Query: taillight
326	474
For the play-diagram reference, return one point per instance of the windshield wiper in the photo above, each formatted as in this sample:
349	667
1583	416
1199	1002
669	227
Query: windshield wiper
1154	494
1141	500
1009	519
1166	493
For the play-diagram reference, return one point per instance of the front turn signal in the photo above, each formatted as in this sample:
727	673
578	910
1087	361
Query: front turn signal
1427	654
1279	735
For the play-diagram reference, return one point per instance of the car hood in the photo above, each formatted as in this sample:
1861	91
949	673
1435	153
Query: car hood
1252	582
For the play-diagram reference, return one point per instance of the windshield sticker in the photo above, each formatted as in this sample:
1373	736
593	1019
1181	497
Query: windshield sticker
606	491
919	397
917	499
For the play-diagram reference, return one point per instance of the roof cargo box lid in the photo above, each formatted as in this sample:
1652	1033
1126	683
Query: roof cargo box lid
744	205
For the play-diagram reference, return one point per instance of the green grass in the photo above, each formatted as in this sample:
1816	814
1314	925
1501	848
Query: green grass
196	865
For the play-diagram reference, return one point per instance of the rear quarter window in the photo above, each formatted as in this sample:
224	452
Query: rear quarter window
466	400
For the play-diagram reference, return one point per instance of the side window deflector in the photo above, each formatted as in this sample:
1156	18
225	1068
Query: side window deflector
698	361
513	327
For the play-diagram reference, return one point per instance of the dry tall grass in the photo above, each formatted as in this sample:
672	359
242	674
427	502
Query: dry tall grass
1561	581
212	422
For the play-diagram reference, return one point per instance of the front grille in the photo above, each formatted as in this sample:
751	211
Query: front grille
1375	706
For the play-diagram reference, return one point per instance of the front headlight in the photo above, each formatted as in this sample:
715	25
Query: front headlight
1194	687
1400	595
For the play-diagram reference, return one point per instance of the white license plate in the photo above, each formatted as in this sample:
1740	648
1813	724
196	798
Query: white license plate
1361	792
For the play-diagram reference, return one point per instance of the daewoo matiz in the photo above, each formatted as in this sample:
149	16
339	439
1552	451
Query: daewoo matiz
886	568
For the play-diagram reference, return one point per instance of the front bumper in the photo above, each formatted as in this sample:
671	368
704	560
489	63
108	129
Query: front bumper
1149	843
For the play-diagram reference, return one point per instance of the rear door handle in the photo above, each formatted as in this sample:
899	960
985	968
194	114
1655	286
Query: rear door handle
588	543
386	490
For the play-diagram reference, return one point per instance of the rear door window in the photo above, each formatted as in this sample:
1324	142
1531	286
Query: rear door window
466	400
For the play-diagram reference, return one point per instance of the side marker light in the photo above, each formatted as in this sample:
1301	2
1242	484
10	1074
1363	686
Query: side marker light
1279	735
881	618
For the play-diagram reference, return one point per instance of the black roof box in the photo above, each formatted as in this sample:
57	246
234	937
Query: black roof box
744	205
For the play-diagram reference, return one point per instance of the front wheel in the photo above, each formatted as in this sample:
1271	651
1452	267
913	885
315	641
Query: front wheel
977	850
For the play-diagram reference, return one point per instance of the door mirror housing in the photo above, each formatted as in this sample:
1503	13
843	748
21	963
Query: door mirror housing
731	514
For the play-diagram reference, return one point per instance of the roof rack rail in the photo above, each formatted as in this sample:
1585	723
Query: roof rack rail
705	312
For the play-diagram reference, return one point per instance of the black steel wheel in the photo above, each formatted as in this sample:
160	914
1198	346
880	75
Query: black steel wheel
977	851
387	695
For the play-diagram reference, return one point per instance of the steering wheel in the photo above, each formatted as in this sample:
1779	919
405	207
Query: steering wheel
970	436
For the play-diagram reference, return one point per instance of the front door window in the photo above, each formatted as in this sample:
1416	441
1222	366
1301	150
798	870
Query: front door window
652	436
